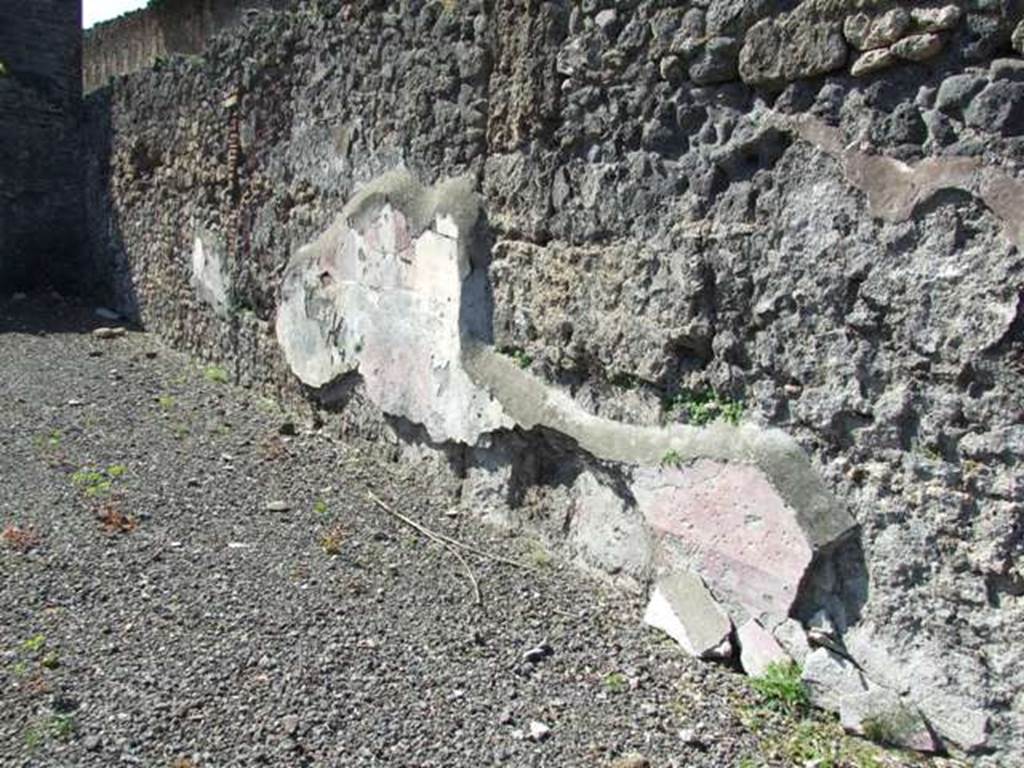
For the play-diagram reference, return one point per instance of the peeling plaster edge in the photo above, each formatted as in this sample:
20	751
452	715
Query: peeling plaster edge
894	189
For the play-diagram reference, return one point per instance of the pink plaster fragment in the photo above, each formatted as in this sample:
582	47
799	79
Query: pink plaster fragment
733	528
758	648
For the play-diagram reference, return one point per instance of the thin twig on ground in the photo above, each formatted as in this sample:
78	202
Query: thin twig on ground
436	538
448	539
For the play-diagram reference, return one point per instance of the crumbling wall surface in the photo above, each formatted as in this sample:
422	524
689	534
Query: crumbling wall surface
810	208
40	94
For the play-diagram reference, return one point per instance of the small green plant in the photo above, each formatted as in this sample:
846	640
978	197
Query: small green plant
704	406
49	441
166	402
98	483
320	507
782	688
519	355
672	458
216	374
616	682
63	726
538	555
34	644
732	411
34	736
92	482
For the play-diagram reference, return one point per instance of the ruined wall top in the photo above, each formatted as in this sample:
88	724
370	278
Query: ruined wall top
136	40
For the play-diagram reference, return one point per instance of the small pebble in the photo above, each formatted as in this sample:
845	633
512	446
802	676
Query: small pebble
290	724
631	760
538	731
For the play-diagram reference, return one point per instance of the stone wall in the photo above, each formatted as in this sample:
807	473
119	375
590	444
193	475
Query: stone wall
723	295
40	95
138	39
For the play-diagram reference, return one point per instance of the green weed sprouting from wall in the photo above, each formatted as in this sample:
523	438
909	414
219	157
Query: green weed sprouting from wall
701	407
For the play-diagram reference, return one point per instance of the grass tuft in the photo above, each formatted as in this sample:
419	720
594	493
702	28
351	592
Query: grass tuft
781	687
701	407
616	682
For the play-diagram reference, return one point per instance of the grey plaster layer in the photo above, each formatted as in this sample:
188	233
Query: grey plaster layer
532	403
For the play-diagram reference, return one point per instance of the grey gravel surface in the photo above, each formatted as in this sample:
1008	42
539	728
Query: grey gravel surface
234	598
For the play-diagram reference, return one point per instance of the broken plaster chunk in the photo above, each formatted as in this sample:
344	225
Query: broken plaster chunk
880	715
683	608
751	547
758	648
829	677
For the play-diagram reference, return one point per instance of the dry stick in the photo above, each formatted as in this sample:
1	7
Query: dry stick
477	598
437	538
447	539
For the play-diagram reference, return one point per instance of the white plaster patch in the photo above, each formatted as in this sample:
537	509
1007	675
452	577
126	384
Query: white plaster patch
382	299
208	278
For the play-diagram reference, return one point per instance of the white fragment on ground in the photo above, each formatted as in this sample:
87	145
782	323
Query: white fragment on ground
108	333
683	608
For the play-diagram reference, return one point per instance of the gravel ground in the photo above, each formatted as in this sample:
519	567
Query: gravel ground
158	610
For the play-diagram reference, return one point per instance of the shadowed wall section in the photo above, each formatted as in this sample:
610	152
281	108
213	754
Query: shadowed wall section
40	100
